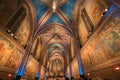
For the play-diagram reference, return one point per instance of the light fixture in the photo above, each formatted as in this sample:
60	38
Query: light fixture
9	31
12	34
88	74
9	75
117	68
54	5
106	10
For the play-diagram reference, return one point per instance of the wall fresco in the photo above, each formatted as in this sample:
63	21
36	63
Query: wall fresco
23	32
32	66
110	37
83	33
15	59
95	9
104	45
86	60
5	50
93	54
11	56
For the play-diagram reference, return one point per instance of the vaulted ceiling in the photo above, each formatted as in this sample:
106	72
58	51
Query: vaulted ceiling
64	9
55	19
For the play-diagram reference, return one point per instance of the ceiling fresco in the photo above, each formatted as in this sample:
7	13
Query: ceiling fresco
56	45
55	36
40	8
67	8
54	18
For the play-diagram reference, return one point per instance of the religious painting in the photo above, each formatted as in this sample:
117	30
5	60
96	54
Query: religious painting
83	33
23	32
110	37
3	45
95	52
86	60
15	59
32	66
5	50
95	9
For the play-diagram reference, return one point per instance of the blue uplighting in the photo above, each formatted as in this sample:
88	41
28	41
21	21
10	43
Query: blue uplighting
112	7
38	75
21	72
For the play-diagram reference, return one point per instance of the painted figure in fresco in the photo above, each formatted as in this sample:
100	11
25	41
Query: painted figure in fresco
14	59
86	59
32	67
90	51
96	52
7	54
98	9
110	37
5	49
3	46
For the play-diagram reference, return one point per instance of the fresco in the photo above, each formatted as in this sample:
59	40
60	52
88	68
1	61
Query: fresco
54	18
83	33
95	52
110	37
15	59
104	44
5	50
95	9
32	66
68	8
23	32
11	56
40	7
86	60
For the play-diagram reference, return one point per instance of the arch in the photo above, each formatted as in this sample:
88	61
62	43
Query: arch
48	26
31	11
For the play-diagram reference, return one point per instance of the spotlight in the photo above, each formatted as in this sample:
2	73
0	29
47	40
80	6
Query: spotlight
106	9
9	75
8	31
88	74
117	68
103	13
12	34
89	32
15	37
